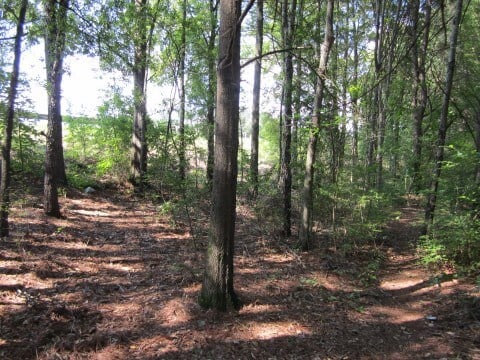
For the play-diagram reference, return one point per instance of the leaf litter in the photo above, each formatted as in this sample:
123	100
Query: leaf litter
115	279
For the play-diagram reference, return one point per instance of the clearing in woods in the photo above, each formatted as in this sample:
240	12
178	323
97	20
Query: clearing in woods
116	280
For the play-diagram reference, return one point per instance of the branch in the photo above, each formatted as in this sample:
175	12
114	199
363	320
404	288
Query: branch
245	12
273	52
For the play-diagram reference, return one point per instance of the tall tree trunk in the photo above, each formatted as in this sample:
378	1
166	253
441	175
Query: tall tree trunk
139	141
256	101
5	171
181	75
56	27
420	90
354	95
443	125
217	288
477	147
307	192
285	181
211	89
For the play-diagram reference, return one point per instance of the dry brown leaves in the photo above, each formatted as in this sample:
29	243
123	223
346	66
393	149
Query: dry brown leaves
114	280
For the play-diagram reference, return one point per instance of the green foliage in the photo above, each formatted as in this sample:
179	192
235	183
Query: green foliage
453	239
99	146
268	139
28	150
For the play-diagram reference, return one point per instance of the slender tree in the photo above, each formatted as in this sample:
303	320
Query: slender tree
139	142
8	125
211	88
420	90
285	180
181	88
217	289
56	28
443	123
307	192
256	100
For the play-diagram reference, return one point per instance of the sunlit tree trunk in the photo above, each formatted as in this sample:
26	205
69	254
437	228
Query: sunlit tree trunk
217	288
56	27
307	192
8	125
443	125
256	101
139	141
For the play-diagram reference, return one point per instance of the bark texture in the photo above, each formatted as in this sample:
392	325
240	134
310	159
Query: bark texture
56	27
217	289
139	141
285	181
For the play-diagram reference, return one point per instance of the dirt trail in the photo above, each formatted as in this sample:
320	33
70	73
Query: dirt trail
116	280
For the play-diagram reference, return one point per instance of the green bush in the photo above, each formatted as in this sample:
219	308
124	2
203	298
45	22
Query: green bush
453	239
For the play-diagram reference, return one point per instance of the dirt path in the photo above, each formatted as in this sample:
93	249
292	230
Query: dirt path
115	280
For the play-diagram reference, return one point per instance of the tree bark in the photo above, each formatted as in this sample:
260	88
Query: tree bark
443	125
5	174
56	27
256	101
217	289
139	141
211	89
307	192
285	181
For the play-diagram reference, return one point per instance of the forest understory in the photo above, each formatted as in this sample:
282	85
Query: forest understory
115	279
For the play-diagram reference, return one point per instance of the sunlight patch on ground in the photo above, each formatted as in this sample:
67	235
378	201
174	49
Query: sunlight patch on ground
260	309
266	331
396	315
91	213
397	284
175	313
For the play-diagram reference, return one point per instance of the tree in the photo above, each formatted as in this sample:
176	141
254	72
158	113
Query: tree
55	32
443	123
307	192
5	170
139	142
420	90
181	88
217	288
285	180
256	100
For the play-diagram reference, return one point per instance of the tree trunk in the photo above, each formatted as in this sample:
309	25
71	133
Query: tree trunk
139	142
181	75
477	147
217	289
8	126
420	90
307	192
256	101
285	181
211	89
442	128
56	23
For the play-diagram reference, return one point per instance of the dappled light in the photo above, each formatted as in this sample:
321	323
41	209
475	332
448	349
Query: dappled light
104	287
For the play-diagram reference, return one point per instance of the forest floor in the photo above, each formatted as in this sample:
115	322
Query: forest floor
115	279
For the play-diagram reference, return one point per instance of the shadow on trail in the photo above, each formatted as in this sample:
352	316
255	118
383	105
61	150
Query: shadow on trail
102	289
